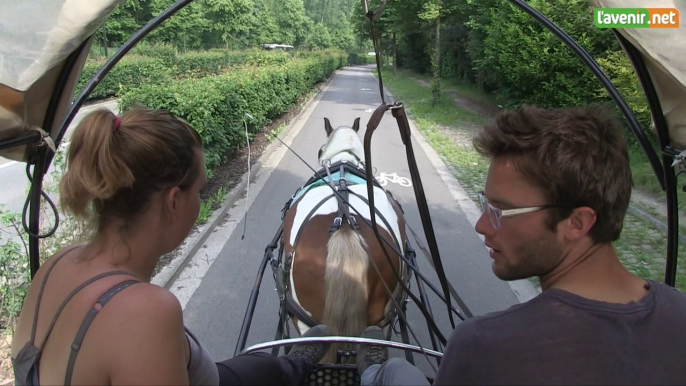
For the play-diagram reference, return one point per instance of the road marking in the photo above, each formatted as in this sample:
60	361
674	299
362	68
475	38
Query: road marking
384	178
9	163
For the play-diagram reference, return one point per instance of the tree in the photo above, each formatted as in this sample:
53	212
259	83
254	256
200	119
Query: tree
185	29
231	21
125	21
319	38
294	25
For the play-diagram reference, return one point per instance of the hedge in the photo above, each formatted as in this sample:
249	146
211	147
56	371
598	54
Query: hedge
217	105
135	70
128	73
355	59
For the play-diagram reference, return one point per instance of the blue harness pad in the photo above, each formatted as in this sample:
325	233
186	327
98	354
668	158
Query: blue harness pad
350	179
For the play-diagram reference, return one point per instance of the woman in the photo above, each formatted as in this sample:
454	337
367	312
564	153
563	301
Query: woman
91	315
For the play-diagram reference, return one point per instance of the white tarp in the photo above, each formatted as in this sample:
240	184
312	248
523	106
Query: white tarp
35	35
664	52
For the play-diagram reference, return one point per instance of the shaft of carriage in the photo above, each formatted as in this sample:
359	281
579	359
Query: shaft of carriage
254	294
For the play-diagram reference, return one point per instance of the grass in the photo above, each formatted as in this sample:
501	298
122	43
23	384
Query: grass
276	132
206	207
448	129
451	85
645	179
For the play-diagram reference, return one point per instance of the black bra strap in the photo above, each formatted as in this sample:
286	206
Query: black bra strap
71	295
92	313
40	292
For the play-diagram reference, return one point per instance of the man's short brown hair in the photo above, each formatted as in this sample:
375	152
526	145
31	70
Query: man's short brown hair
578	156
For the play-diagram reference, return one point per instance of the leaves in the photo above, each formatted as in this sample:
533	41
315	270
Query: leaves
237	24
215	105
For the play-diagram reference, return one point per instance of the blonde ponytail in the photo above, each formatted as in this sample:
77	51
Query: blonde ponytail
115	164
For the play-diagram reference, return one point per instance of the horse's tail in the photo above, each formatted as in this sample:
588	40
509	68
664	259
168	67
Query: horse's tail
345	286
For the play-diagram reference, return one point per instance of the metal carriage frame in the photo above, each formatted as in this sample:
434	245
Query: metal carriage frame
59	111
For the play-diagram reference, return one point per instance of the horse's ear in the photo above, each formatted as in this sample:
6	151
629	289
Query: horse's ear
356	125
327	126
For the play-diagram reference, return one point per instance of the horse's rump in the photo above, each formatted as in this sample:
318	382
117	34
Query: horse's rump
356	295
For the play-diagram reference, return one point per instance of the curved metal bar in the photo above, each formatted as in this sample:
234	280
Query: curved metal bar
26	139
595	69
41	160
111	62
34	214
340	339
664	141
247	319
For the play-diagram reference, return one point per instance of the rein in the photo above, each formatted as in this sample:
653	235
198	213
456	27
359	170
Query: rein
398	111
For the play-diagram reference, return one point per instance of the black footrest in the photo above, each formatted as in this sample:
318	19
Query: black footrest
334	375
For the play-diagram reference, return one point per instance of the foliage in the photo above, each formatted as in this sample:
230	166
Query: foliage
164	51
236	24
617	67
318	38
14	253
499	48
164	63
216	105
362	58
130	72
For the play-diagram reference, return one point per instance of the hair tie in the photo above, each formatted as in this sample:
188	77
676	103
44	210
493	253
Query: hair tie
117	123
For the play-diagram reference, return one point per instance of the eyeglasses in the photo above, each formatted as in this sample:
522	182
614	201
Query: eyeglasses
495	214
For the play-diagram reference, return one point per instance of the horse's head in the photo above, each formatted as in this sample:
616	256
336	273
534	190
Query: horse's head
343	143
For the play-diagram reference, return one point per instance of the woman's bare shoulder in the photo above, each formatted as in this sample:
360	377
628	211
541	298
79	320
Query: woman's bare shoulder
146	301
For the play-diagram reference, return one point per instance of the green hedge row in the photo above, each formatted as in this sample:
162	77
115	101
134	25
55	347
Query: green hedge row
135	70
217	105
356	59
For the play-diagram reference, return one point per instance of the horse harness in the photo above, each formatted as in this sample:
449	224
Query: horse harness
345	175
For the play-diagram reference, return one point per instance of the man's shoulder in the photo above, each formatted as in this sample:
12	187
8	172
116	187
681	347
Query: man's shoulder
500	322
670	298
669	293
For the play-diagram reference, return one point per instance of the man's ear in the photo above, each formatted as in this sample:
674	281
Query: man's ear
580	222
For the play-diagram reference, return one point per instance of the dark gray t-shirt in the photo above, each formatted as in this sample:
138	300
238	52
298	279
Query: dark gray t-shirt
562	338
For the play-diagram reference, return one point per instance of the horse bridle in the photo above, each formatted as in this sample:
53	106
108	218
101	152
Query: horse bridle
321	149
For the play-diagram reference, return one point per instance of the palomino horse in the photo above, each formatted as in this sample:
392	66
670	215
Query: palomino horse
329	247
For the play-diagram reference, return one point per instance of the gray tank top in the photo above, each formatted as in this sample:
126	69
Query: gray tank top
201	367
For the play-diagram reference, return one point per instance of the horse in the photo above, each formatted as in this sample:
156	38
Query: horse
329	247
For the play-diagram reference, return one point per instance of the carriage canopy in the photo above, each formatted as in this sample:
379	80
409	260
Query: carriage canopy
36	39
664	53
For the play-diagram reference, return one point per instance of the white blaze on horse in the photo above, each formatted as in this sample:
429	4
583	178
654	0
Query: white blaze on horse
329	246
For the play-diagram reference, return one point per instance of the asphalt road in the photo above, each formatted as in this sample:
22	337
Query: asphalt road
215	305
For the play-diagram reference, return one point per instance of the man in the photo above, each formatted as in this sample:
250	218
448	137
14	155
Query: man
555	197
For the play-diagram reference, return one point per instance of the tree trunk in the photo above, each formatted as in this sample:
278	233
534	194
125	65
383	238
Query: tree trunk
104	40
436	86
395	55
